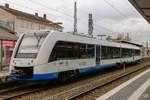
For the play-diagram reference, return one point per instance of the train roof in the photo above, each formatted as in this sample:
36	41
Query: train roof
89	40
63	36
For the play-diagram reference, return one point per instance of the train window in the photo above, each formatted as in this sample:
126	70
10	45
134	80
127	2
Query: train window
137	52
69	50
110	52
127	52
115	52
105	52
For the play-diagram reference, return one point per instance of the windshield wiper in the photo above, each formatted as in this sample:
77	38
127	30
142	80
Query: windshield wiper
38	38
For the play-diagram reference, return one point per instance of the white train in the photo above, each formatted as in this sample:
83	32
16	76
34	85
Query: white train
45	55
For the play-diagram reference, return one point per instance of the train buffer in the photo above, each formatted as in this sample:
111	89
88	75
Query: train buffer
137	88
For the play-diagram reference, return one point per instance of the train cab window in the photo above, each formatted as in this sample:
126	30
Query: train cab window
30	45
70	50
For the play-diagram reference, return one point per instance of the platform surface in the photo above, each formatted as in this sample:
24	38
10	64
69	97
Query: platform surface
137	88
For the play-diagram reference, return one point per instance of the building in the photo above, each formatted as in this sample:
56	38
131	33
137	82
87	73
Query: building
19	22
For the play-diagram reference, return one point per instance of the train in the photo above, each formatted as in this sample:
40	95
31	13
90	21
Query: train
47	55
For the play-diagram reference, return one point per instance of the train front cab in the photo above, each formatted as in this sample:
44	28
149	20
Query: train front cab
23	60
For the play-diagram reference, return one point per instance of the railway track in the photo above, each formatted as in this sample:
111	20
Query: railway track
13	92
8	84
84	88
73	89
13	96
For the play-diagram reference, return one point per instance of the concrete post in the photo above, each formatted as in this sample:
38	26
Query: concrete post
124	67
1	51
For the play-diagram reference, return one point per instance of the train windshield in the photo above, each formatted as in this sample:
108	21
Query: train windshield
30	45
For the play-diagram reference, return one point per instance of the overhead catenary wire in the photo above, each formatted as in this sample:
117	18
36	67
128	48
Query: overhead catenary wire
34	10
66	14
117	10
34	2
112	6
26	7
95	24
100	28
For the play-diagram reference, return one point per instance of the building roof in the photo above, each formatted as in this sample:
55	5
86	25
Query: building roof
143	7
27	15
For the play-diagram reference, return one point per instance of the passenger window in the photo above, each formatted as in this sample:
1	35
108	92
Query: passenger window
110	52
70	50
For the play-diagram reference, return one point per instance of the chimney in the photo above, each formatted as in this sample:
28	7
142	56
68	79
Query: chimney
36	14
44	16
6	5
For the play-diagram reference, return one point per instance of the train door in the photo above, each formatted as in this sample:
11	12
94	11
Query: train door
97	54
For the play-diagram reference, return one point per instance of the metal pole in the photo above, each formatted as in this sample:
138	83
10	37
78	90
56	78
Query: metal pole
147	48
75	17
124	67
90	28
1	59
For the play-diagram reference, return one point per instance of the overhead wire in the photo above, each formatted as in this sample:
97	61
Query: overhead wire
100	26
95	24
71	18
39	10
117	10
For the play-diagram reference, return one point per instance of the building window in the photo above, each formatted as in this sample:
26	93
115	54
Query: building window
21	24
26	24
31	25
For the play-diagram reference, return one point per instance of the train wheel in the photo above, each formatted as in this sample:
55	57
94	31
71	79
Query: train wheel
119	65
76	73
64	76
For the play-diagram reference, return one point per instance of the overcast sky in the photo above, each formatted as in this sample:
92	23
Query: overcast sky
111	17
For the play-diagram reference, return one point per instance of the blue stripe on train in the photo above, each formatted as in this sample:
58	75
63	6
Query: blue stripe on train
38	77
92	69
55	75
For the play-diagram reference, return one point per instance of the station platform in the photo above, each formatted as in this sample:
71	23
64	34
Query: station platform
137	88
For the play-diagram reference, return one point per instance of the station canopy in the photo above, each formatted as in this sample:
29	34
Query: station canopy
143	7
